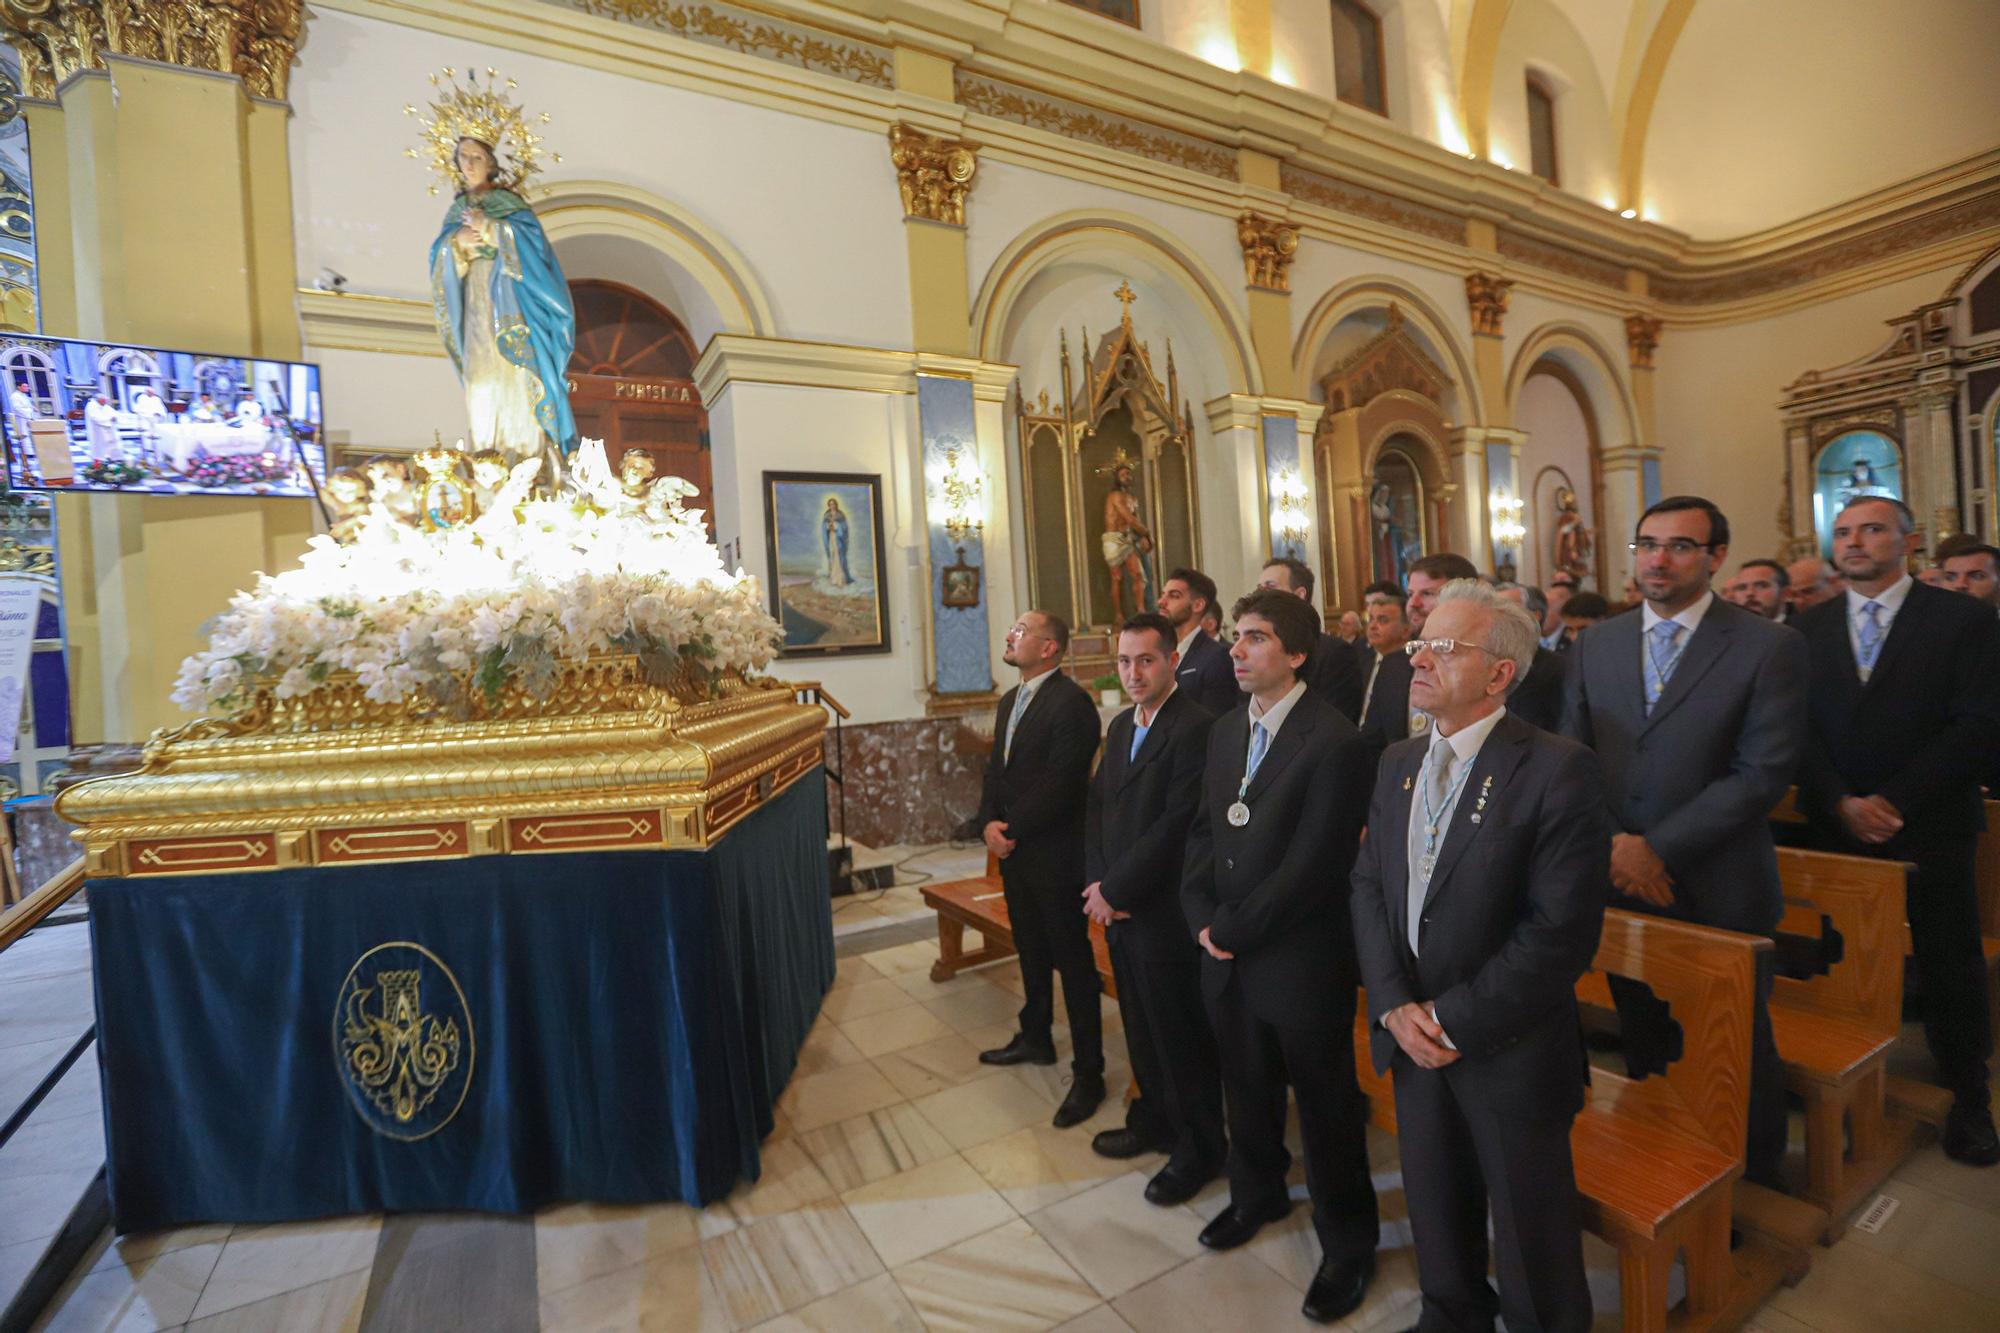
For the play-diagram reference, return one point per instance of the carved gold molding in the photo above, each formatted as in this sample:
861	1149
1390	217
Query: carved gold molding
752	34
256	40
934	174
1375	205
1024	106
1269	246
1486	293
1642	339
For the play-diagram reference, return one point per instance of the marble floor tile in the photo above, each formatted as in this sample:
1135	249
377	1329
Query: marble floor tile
1768	1320
581	1241
141	1246
916	1212
158	1293
787	1261
838	1094
919	986
970	1009
853	970
825	1047
918	1071
1230	1290
1394	1301
671	1292
905	959
22	1068
1978	1186
1005	1279
862	999
877	1306
791	1179
1053	1081
1117	1240
984	1109
1938	1235
872	1147
894	1030
1097	1319
258	1263
1040	1165
1855	1290
41	1194
332	1306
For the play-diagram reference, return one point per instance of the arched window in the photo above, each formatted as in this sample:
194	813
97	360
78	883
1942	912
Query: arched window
123	371
1357	57
1542	130
30	369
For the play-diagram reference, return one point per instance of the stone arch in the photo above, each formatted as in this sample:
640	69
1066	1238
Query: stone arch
1576	359
1420	314
1580	352
661	249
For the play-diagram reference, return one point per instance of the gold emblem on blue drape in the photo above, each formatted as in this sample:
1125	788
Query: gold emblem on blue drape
403	1040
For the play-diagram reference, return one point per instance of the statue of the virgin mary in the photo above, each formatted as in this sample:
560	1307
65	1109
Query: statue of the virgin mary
501	301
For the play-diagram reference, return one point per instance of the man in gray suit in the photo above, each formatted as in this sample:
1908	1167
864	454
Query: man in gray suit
1697	710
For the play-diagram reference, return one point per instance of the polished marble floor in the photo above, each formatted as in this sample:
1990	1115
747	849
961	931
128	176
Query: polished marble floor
907	1187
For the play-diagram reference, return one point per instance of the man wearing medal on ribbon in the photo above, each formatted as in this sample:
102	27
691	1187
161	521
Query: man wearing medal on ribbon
499	296
1284	789
1478	900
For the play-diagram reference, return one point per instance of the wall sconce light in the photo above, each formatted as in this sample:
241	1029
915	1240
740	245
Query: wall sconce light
1288	508
960	491
1508	532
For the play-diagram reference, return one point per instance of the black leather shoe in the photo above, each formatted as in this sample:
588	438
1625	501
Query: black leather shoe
1177	1184
1338	1288
1086	1094
1020	1051
1237	1225
1969	1136
1123	1142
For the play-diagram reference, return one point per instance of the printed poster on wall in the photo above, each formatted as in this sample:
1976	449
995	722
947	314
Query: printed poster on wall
20	605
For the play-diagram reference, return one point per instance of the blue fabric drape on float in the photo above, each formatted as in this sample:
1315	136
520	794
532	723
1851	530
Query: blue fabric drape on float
496	1034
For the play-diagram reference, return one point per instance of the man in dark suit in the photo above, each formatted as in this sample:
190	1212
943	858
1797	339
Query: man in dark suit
1204	672
1032	813
1697	710
1538	696
1905	717
1478	900
1265	889
1141	803
1385	675
1330	670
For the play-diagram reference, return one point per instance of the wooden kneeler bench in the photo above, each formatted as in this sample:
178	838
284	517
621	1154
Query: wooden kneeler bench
979	904
1834	1031
1657	1158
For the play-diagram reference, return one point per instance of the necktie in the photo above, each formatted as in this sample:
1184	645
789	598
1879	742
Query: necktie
1427	829
1014	720
1662	655
1138	737
1870	634
1374	669
1260	741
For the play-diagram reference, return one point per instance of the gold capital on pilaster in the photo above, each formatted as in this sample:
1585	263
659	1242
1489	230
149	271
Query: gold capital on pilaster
256	40
934	174
1486	293
1642	339
1269	246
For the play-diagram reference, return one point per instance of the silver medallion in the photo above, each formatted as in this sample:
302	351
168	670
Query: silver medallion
1239	815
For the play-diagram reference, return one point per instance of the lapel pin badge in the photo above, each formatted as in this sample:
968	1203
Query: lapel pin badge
1407	783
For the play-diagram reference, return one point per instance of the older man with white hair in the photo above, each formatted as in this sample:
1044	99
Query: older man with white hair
1478	899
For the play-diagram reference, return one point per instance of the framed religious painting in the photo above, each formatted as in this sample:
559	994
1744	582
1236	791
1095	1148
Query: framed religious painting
823	534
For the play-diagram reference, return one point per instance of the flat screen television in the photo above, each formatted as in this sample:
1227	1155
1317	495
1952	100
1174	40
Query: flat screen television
98	416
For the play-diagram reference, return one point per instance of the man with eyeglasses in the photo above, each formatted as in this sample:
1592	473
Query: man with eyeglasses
1905	719
1478	902
1265	887
1697	710
1032	811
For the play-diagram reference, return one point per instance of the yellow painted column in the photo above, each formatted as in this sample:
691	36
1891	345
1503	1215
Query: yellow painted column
212	273
934	173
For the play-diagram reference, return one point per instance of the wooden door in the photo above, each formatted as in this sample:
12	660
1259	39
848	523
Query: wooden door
631	383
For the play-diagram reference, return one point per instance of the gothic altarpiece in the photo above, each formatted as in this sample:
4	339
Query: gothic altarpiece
1914	419
1381	447
1107	473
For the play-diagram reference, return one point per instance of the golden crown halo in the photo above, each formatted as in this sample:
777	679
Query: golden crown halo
478	109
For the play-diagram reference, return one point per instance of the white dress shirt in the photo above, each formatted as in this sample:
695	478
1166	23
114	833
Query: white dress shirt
1279	711
1890	600
1465	744
1182	647
1689	617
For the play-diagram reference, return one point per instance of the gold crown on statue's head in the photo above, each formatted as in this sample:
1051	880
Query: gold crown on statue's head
478	109
439	461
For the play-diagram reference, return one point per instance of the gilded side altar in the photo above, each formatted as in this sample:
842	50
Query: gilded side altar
604	761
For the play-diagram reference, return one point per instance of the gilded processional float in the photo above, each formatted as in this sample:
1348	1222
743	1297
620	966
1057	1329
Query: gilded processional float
487	745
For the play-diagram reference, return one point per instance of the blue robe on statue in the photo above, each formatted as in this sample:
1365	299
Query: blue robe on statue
533	321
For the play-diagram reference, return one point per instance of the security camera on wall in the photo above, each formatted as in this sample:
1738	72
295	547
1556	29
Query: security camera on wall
330	281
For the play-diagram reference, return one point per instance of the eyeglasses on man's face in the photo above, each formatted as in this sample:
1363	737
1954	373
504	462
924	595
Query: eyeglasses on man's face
1443	648
1680	548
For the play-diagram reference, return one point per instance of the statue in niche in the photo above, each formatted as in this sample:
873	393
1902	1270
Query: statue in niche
1572	540
501	301
1126	542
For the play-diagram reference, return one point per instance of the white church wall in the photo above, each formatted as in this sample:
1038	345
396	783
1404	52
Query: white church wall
1539	38
388	401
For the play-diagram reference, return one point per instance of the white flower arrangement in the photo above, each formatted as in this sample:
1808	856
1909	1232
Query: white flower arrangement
508	600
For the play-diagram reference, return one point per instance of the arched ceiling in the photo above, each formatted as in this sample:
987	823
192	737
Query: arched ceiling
1724	119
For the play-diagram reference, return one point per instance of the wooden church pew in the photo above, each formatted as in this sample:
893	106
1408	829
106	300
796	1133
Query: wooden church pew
979	904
